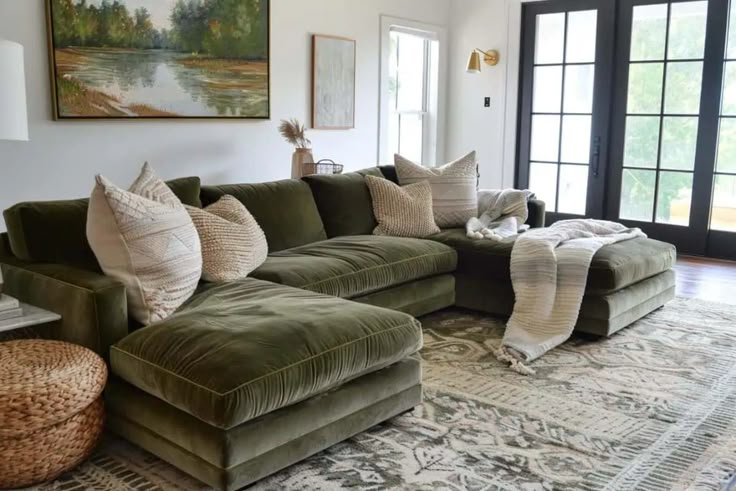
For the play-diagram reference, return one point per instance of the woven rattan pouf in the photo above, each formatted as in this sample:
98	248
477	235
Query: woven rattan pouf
51	411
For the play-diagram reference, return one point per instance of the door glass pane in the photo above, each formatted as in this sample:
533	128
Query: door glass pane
576	139
411	128
645	88
674	197
547	89
727	146
729	90
581	36
393	133
543	182
579	81
410	73
648	33
550	43
684	82
679	139
723	214
545	138
687	30
642	141
731	52
637	195
573	189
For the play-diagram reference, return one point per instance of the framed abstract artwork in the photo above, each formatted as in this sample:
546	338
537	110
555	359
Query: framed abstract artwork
333	82
142	59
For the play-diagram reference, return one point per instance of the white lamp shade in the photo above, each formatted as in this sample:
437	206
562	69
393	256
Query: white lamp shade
13	113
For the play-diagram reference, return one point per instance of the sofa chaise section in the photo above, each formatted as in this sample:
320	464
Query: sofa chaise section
244	350
626	281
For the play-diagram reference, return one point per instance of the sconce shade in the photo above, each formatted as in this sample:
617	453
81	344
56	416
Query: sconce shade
474	62
13	112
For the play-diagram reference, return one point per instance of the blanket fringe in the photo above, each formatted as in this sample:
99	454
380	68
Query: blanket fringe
505	355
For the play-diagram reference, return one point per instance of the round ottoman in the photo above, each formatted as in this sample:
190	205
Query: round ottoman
51	411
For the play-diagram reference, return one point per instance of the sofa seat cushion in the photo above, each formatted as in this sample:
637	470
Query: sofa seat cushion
613	267
349	267
239	350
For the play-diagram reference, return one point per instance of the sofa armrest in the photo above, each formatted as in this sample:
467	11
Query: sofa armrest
536	213
93	307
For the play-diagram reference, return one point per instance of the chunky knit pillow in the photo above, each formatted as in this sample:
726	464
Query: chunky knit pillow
233	244
454	188
144	238
402	211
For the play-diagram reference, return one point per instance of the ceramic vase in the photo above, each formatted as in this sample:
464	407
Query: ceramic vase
300	157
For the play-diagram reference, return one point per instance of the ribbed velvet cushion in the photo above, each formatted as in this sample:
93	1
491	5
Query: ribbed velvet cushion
285	210
243	349
344	202
619	265
354	266
55	231
614	267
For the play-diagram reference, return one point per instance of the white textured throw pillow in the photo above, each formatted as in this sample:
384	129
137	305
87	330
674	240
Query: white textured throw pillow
233	244
454	188
145	238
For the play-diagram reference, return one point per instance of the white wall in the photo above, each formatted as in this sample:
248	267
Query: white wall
62	157
485	24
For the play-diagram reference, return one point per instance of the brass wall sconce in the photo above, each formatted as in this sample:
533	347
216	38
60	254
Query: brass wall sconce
490	57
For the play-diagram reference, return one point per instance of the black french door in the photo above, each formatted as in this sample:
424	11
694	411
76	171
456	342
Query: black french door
666	136
567	46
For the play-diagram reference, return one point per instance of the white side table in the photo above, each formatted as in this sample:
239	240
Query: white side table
32	316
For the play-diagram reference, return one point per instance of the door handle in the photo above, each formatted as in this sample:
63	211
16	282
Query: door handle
596	155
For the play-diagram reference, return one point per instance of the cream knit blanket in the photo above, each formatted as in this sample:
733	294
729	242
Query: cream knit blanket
549	272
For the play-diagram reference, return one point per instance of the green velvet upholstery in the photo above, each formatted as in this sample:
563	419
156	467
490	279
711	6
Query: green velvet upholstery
252	438
619	265
344	202
537	216
604	315
239	350
285	210
416	298
600	315
614	267
187	189
353	266
56	231
231	459
93	307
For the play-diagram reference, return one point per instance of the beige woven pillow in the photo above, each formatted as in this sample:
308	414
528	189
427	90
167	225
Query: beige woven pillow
454	188
233	244
144	238
402	211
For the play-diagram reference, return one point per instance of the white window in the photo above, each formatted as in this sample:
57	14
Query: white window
411	91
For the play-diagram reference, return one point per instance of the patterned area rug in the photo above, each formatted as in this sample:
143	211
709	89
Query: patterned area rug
653	408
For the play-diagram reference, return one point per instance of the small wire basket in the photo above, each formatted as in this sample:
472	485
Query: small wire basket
324	166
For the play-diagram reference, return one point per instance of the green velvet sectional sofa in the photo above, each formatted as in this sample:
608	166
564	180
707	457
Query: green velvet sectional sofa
319	344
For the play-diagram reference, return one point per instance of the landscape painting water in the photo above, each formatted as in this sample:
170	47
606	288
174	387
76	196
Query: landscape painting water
160	58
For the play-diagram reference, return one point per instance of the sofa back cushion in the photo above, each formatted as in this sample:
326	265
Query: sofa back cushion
344	202
56	231
285	210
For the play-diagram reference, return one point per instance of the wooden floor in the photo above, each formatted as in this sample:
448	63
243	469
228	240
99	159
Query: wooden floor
706	279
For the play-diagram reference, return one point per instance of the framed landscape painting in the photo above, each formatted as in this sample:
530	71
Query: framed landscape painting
139	59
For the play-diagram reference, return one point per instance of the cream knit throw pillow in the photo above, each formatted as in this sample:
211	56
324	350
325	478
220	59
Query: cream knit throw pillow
454	188
233	244
144	238
402	211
